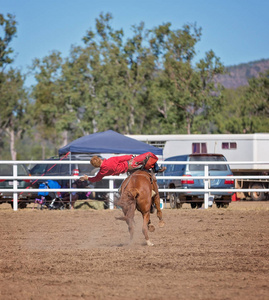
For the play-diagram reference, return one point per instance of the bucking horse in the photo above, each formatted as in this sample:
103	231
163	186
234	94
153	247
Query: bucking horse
140	191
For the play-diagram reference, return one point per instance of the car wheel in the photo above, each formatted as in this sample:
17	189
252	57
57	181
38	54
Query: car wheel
193	205
179	205
173	200
20	205
199	204
257	196
222	205
246	195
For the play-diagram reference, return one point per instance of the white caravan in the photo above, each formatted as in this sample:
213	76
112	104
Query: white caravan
235	147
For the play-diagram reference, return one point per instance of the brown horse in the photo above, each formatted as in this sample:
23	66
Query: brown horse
140	191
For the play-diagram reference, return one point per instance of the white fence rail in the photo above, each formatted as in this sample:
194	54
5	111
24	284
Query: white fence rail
111	190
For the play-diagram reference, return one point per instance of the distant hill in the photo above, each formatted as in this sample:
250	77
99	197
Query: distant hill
238	75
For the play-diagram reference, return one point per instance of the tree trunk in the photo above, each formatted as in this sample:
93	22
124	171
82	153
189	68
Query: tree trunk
95	126
65	139
13	151
131	122
188	119
43	150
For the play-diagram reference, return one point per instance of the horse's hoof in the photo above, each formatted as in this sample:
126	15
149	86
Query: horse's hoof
151	228
149	243
161	223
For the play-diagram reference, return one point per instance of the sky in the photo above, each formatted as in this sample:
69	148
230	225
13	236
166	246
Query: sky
236	30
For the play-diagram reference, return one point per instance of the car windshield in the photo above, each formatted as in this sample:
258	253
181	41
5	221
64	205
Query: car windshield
7	170
213	167
85	169
38	169
174	168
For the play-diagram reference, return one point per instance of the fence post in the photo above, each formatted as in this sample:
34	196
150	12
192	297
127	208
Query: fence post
15	186
206	194
111	195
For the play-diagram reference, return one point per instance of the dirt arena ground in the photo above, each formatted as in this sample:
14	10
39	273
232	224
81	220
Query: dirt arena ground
199	254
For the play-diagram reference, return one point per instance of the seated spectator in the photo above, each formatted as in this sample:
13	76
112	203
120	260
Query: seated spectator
74	196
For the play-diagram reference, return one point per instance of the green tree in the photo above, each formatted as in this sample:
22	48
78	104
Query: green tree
119	74
13	97
255	111
143	84
138	80
229	118
77	91
187	96
14	105
209	94
47	99
8	27
103	51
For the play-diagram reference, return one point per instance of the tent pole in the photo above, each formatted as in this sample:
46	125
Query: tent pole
70	183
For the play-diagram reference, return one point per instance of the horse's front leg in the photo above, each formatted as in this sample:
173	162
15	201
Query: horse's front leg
146	222
151	227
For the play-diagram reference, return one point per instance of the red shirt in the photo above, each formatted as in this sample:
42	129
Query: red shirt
112	166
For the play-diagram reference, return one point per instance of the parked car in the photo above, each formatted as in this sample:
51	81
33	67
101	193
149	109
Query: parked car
52	169
196	199
23	198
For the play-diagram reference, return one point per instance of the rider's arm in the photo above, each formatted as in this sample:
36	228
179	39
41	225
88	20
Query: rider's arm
98	176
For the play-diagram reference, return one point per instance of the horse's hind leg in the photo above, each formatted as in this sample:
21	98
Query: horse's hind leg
146	222
159	211
129	218
130	223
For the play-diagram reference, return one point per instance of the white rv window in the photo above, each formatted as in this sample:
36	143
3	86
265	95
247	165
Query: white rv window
233	145
225	145
195	148
204	148
199	148
229	145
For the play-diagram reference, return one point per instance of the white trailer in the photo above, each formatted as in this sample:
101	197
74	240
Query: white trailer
235	147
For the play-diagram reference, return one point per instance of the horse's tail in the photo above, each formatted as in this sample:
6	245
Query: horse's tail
127	202
127	198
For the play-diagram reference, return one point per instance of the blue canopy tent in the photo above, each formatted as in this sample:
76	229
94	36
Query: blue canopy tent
108	142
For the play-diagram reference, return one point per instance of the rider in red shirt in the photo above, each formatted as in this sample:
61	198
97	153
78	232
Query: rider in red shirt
111	166
116	166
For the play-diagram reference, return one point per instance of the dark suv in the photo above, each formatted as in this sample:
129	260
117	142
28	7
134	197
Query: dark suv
196	199
23	198
52	169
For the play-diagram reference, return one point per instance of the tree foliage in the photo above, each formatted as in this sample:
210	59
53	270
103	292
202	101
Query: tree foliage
46	95
147	83
8	27
13	113
255	111
13	97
